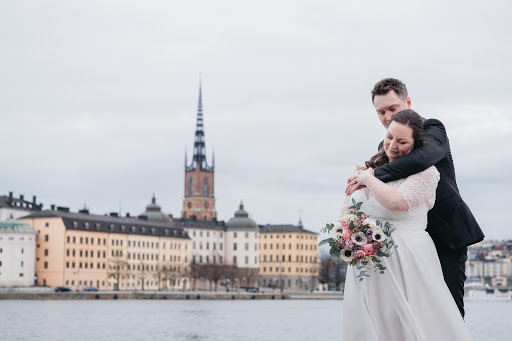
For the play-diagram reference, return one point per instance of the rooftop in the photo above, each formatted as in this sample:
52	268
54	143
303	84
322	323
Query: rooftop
112	224
284	228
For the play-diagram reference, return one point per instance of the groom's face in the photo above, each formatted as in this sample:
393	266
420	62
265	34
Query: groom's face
389	104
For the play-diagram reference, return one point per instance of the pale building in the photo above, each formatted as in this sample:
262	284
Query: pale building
242	247
14	208
17	254
108	252
489	268
208	240
288	257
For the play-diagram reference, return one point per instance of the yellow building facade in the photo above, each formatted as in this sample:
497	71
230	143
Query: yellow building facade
108	252
288	258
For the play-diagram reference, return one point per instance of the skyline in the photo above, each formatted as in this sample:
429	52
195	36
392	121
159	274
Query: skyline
98	100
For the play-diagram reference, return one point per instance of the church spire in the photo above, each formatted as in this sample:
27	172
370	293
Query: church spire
199	158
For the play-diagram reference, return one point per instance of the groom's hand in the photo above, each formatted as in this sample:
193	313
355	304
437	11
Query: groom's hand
352	182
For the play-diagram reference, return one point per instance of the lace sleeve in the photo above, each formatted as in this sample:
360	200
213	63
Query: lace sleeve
420	187
346	205
346	202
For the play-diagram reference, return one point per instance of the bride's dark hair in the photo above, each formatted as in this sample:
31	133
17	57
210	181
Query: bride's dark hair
406	117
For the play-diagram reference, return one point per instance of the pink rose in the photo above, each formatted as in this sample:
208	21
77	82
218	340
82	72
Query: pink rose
346	234
368	249
360	254
345	224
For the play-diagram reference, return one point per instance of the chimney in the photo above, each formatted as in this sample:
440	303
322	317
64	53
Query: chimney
84	211
21	196
34	200
10	196
52	207
114	214
127	214
62	209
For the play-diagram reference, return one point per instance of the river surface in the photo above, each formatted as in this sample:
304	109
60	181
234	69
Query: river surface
208	320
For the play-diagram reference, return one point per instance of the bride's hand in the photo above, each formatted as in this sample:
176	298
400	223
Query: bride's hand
352	185
363	176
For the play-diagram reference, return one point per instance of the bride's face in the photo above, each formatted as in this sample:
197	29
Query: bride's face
398	141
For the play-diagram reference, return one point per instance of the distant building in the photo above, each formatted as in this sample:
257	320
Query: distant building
17	254
242	246
288	257
208	240
13	208
489	268
108	252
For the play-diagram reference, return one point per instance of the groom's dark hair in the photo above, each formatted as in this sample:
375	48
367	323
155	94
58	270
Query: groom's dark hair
388	84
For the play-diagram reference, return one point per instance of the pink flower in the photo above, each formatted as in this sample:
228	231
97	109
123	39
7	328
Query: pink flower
376	245
368	249
345	224
357	223
360	254
346	234
349	244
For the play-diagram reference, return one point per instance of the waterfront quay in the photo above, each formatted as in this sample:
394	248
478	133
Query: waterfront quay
165	295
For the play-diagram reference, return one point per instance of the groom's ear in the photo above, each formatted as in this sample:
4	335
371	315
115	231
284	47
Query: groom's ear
408	101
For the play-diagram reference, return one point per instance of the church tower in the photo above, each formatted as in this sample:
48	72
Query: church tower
199	201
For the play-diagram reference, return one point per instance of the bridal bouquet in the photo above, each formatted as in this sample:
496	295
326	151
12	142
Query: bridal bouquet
360	241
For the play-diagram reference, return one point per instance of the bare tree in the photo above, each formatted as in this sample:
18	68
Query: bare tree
326	263
117	270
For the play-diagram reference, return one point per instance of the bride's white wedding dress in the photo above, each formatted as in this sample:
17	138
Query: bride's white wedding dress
410	301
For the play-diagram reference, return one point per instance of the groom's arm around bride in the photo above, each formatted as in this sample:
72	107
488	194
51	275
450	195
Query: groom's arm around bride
450	222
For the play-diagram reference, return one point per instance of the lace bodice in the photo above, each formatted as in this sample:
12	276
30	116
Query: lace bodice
418	190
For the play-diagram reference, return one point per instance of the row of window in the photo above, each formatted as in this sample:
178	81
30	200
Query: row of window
12	238
246	234
22	263
81	240
82	253
85	282
246	247
81	265
246	260
282	269
207	233
310	247
207	259
214	245
289	236
297	259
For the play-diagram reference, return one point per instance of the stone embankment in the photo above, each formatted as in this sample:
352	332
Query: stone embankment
163	295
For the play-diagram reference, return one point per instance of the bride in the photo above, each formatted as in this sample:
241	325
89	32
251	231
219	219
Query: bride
410	301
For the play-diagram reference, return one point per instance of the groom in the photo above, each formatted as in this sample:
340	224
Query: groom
450	222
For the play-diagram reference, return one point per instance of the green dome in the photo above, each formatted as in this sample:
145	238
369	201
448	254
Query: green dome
154	212
241	221
12	225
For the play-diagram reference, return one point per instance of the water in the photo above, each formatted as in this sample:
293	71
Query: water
179	320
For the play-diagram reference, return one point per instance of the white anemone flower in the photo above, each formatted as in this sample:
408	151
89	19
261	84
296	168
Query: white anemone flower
347	255
378	235
359	238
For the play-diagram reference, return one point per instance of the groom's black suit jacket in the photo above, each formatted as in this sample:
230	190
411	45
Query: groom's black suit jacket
450	221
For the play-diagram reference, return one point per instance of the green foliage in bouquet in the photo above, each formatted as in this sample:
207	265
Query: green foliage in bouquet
360	241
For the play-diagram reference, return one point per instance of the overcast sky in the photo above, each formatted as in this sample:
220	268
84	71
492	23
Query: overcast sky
98	99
